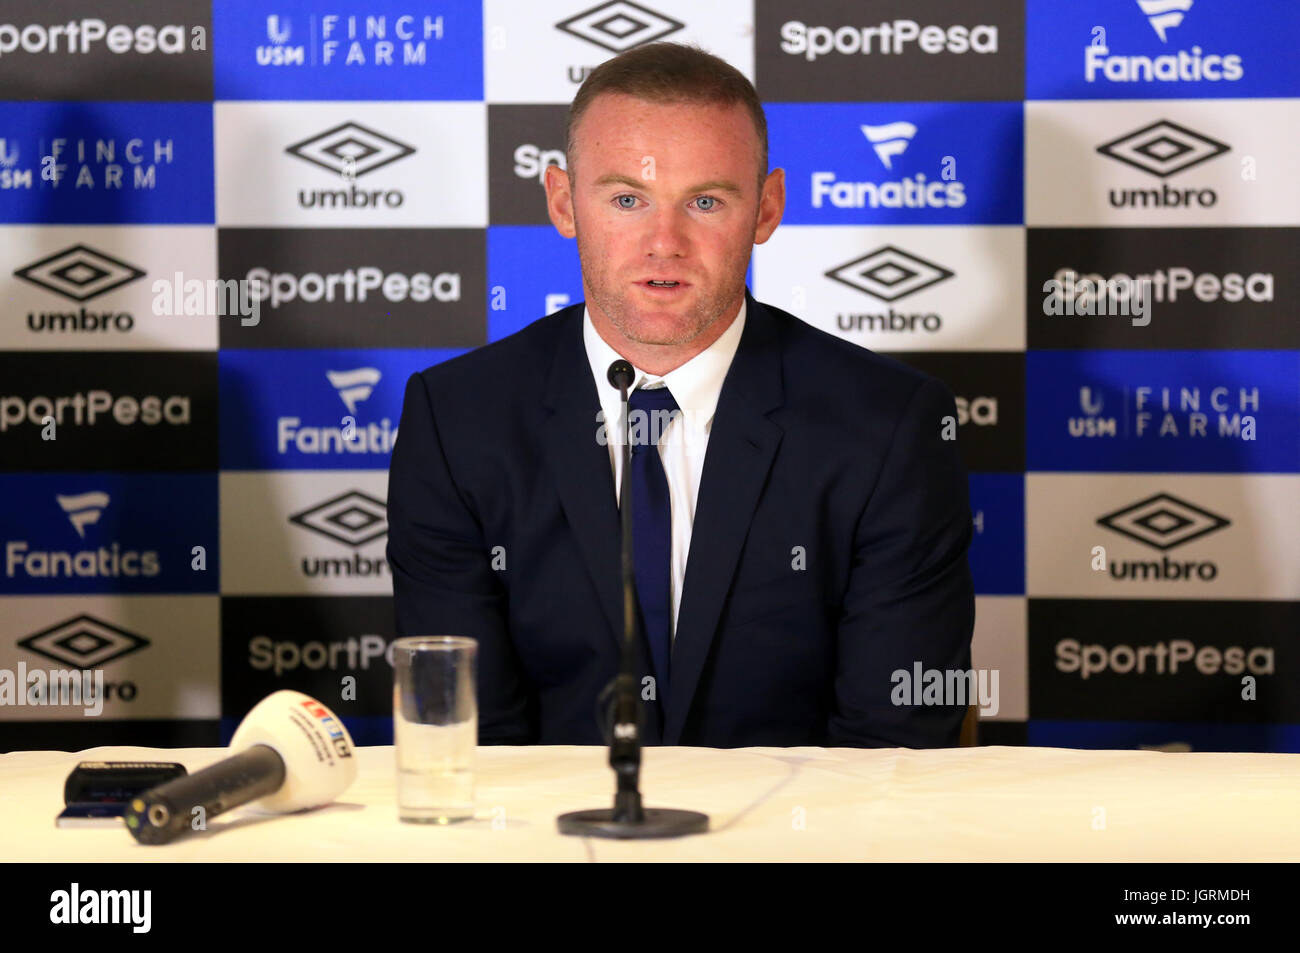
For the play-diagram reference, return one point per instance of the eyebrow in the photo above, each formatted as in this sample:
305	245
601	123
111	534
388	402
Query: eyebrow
713	185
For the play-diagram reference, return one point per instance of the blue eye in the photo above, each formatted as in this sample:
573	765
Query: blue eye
707	198
620	199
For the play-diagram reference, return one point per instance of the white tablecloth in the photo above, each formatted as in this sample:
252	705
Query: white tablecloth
766	804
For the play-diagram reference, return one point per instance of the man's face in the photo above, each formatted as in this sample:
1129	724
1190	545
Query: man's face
664	192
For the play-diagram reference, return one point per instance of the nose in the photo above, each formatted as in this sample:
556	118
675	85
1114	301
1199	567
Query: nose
668	237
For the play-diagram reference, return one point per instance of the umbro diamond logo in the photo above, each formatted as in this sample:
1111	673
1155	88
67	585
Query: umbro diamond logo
350	150
619	26
352	518
80	273
889	273
1163	148
84	642
1163	521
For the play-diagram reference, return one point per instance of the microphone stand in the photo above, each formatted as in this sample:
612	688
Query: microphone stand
627	819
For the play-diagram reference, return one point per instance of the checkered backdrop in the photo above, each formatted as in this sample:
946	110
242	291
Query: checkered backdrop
193	490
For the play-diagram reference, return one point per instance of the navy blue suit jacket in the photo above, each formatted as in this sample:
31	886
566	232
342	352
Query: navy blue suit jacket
828	548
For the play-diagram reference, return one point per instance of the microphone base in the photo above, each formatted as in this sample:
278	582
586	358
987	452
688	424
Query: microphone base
655	822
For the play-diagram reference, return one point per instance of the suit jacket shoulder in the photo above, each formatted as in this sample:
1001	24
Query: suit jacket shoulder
841	383
514	363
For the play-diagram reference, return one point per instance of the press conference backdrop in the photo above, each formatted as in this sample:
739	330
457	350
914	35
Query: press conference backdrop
193	494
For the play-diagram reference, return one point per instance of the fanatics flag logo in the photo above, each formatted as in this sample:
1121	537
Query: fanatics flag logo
1164	14
353	518
350	150
889	140
1163	148
83	509
79	273
354	386
1163	521
619	26
84	642
889	273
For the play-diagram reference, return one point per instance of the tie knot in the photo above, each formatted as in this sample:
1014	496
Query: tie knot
651	398
650	411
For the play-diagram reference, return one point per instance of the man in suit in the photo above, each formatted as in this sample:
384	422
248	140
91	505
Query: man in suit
800	523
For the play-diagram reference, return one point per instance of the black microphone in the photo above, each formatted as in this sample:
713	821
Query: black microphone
292	753
620	375
627	819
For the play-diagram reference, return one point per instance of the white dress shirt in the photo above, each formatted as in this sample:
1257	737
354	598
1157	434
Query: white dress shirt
695	386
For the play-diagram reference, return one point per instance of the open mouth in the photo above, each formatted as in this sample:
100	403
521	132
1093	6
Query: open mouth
664	284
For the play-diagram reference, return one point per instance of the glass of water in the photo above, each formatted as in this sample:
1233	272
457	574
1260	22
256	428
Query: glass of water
435	727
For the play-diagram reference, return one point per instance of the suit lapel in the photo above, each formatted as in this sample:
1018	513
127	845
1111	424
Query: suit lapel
580	466
742	446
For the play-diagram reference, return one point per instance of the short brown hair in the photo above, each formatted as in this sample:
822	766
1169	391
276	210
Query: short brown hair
670	73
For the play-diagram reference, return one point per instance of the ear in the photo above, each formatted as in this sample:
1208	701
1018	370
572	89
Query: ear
771	206
559	201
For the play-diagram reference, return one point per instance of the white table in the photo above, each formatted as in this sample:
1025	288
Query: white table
765	804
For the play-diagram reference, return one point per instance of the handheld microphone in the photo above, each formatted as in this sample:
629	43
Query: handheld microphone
291	753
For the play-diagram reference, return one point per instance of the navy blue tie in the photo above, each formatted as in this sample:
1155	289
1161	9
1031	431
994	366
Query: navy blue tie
652	533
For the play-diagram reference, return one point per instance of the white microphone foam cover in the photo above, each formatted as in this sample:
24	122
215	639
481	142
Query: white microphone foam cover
316	748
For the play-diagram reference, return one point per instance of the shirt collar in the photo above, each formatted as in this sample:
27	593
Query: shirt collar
696	385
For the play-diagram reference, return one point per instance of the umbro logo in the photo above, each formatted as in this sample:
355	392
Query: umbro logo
83	509
1163	521
1164	14
889	273
619	26
1163	148
889	140
79	273
84	642
354	386
350	150
352	518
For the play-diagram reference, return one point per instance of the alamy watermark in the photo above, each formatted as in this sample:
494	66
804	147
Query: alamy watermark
655	427
53	688
947	687
199	297
1070	295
